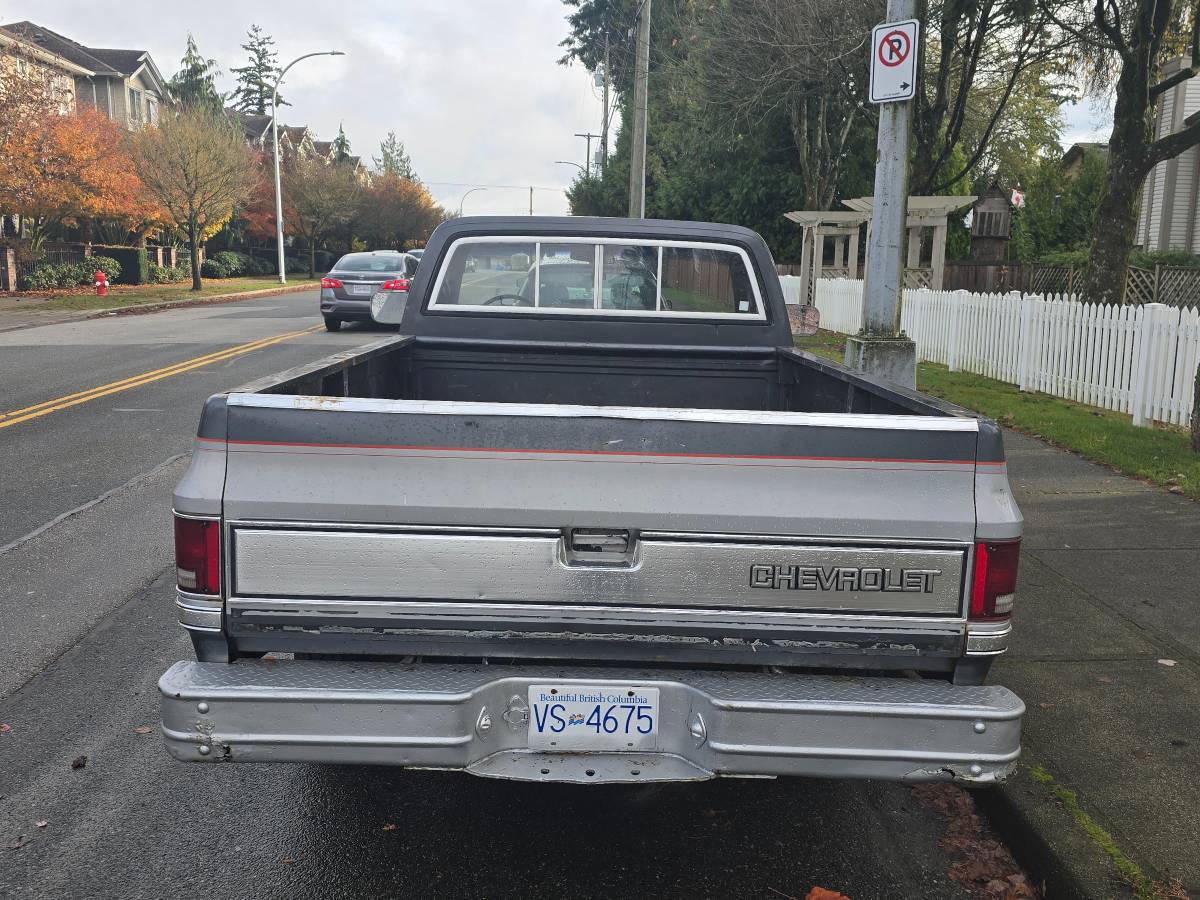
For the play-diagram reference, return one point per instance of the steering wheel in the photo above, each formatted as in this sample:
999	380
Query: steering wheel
508	300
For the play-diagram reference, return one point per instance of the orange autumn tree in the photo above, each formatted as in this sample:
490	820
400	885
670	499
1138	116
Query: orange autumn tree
394	211
58	169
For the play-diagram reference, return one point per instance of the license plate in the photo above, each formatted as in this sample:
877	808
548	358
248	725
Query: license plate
362	290
583	717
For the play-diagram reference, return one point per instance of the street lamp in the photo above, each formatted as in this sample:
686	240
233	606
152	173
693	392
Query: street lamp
567	162
275	142
466	195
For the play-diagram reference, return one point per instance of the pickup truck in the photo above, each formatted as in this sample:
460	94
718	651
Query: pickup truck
591	517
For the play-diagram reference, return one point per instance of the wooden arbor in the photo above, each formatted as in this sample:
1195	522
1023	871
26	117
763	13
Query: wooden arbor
817	226
843	226
923	213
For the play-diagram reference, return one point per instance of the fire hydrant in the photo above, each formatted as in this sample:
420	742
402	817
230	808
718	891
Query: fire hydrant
101	283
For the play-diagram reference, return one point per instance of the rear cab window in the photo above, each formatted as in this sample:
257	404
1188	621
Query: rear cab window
598	276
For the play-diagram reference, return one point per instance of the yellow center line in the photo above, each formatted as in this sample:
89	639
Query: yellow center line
114	387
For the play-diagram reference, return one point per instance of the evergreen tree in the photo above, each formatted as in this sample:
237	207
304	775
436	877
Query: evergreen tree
393	160
256	79
195	82
341	146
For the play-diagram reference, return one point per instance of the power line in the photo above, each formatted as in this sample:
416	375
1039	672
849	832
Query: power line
511	187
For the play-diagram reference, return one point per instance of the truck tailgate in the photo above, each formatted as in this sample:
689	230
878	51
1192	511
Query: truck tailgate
378	499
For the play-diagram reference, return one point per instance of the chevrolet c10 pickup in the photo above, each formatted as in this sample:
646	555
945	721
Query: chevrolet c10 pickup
592	517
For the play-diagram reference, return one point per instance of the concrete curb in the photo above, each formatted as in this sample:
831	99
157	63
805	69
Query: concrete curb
1047	841
139	309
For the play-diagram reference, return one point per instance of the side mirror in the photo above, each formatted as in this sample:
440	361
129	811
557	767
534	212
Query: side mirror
805	320
387	307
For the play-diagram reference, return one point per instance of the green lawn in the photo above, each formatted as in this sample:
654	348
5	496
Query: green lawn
133	295
1161	455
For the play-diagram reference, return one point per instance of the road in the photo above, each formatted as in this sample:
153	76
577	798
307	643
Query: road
87	625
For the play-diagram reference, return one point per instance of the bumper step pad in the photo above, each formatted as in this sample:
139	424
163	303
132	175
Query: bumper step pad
472	718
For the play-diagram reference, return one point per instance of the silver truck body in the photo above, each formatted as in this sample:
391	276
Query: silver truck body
791	588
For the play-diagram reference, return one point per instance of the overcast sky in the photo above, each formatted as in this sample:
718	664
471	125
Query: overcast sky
472	87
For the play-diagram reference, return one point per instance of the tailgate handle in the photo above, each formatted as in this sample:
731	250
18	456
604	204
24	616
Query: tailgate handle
604	547
599	540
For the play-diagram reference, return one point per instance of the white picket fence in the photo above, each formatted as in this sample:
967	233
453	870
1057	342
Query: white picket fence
1139	360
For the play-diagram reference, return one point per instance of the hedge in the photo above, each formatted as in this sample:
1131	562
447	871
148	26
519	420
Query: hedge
135	264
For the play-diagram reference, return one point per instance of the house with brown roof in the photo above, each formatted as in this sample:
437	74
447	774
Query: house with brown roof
124	84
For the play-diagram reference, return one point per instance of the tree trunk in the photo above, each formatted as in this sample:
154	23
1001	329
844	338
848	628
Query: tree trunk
1196	416
1116	214
312	259
1116	222
194	254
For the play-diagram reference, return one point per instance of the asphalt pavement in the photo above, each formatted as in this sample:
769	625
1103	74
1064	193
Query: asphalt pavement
91	805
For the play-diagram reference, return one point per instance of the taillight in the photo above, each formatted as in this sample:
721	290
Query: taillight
396	284
198	555
994	585
330	283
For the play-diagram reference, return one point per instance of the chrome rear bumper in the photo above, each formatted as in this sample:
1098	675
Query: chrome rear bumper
473	718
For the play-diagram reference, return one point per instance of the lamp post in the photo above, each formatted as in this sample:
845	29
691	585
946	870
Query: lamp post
466	195
275	143
567	162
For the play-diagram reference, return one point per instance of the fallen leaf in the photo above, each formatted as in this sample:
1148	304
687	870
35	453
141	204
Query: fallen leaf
79	762
41	823
1105	679
142	729
1175	489
389	827
287	860
16	844
820	893
5	728
1167	662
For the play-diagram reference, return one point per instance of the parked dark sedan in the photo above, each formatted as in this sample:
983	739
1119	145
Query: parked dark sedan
347	290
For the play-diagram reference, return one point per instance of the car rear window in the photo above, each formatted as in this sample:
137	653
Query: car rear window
370	262
605	276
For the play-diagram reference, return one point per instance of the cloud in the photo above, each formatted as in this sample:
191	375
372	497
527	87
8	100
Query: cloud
472	87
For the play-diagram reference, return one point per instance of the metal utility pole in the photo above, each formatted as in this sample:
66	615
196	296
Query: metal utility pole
587	169
637	153
531	200
881	349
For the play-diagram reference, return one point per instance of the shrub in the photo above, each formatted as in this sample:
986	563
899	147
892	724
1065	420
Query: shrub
233	262
296	265
43	278
106	264
214	268
1144	259
162	274
183	271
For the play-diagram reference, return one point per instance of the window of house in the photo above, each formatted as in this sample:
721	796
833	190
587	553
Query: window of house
605	276
135	106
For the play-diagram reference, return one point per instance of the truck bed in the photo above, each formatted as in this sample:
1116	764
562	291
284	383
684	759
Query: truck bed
742	378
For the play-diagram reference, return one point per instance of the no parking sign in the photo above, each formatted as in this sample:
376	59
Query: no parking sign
894	61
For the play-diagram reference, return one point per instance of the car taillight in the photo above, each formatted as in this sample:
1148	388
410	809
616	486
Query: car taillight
198	555
396	284
330	283
994	585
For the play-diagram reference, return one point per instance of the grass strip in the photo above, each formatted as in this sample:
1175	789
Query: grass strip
136	295
1161	455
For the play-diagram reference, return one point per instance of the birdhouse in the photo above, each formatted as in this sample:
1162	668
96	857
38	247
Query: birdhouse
991	224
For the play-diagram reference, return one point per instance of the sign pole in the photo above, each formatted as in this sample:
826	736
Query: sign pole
881	349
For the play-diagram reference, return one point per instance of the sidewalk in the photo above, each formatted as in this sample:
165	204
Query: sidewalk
1105	655
31	313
